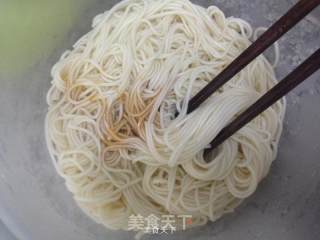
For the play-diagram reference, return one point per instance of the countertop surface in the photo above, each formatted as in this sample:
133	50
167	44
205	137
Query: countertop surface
34	203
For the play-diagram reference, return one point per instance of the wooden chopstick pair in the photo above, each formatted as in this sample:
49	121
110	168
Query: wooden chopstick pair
301	73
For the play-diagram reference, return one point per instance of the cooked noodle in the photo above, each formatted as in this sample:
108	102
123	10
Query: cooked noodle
111	128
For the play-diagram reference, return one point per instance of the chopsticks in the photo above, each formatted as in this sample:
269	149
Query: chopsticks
284	24
301	73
